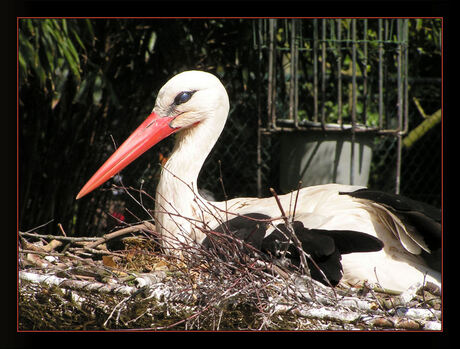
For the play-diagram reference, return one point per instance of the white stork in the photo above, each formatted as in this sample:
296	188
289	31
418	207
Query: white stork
345	223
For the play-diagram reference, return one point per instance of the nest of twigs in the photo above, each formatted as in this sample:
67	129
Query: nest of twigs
90	284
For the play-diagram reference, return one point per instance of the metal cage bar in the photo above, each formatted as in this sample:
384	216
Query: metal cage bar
309	52
351	52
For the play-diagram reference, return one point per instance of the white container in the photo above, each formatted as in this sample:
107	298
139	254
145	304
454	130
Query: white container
321	158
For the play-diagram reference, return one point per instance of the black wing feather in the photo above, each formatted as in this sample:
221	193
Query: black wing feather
324	246
424	218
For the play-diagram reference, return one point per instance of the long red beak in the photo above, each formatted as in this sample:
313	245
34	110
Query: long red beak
149	133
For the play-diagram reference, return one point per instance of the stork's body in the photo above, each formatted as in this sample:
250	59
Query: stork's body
196	104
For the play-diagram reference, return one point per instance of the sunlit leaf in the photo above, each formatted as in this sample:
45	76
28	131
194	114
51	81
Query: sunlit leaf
97	90
77	37
81	91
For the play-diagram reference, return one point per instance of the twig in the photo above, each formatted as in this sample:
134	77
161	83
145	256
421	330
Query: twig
296	199
136	201
40	226
124	231
223	189
76	284
295	239
44	253
61	229
120	304
54	237
93	251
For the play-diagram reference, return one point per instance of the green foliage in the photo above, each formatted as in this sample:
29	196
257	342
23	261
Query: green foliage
47	51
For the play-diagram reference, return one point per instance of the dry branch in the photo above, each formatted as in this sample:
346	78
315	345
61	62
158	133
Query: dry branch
144	226
57	237
52	280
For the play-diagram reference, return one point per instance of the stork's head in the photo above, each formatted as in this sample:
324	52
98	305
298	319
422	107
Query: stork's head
185	101
191	97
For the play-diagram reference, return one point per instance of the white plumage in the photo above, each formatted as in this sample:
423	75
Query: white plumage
199	121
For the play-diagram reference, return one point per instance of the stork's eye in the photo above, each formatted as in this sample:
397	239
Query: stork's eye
183	97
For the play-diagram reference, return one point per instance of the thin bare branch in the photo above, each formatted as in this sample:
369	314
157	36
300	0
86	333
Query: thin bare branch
58	237
293	237
142	226
38	227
